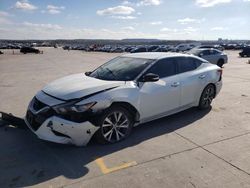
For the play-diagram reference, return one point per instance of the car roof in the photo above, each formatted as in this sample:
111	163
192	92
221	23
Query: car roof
156	55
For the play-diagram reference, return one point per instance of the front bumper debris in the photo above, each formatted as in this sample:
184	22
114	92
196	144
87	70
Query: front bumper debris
9	119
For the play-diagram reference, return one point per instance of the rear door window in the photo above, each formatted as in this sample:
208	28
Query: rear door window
186	64
206	52
195	61
214	52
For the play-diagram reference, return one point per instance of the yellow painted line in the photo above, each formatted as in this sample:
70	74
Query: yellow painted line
106	170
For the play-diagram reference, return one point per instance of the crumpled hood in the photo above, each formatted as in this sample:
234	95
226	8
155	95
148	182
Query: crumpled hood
77	86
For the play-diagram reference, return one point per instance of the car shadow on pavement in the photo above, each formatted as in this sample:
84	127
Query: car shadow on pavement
26	160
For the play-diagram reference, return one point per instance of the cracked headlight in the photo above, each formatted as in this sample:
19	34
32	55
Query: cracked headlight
73	107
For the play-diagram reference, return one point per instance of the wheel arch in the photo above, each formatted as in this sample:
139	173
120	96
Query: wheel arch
131	109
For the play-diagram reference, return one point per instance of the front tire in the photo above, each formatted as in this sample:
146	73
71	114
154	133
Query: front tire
115	124
207	97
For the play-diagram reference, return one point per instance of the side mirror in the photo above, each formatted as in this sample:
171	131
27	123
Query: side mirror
88	73
150	77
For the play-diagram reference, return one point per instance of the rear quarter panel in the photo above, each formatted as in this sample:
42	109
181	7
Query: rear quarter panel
212	77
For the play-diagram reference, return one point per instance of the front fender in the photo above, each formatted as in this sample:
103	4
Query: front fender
105	100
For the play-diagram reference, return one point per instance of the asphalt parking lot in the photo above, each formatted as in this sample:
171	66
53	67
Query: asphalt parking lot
190	149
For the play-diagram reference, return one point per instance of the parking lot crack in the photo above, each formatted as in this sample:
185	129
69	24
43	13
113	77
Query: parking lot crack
202	147
226	139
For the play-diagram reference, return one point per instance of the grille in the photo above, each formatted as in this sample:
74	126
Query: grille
38	105
32	121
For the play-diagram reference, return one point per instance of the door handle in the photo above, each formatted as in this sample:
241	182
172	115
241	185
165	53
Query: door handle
175	84
202	76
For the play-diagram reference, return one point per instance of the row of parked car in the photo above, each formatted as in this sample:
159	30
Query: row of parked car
212	53
10	46
140	48
240	46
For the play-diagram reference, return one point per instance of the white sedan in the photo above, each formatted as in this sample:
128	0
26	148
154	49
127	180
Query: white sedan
126	91
212	55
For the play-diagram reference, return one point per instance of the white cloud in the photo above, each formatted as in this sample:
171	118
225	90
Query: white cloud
156	23
166	29
43	31
246	0
175	31
4	17
54	9
4	14
142	3
25	5
4	20
120	10
42	26
190	29
129	28
211	3
72	17
149	2
190	20
50	31
124	17
127	3
218	29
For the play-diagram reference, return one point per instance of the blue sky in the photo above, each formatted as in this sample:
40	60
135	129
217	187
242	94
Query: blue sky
117	19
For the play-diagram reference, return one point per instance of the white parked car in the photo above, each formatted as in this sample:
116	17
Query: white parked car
184	47
214	56
126	91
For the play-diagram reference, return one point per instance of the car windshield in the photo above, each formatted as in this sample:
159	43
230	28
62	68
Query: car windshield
121	69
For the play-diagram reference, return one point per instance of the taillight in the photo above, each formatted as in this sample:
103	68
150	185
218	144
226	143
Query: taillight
220	71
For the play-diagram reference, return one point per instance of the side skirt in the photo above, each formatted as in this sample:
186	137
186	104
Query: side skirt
168	113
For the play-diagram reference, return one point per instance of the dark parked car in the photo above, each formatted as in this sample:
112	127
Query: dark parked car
128	49
152	48
66	47
139	49
117	50
29	50
245	52
161	49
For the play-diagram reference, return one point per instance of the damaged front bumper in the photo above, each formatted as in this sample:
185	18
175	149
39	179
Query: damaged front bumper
56	129
48	125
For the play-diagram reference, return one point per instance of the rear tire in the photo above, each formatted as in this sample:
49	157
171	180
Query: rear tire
115	125
207	97
220	63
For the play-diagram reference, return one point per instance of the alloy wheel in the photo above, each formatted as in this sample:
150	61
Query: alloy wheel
115	126
208	96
